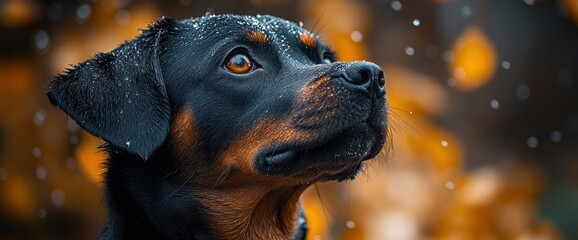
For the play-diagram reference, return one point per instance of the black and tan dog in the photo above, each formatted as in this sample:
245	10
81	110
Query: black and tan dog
216	125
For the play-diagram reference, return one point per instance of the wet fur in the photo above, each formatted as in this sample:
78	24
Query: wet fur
190	145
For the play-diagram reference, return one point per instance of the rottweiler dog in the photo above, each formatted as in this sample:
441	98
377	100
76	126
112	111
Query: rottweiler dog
215	125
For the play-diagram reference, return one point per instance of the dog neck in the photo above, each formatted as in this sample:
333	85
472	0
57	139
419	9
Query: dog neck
251	212
147	203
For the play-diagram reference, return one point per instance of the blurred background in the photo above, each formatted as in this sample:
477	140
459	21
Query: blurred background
483	115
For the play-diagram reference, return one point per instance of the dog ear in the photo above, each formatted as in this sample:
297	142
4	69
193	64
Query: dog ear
120	96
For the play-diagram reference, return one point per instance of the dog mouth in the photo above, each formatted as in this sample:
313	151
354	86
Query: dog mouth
328	155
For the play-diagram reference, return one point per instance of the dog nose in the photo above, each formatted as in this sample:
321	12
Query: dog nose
366	76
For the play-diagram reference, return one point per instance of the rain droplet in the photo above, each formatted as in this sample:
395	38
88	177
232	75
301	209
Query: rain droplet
444	143
128	143
36	152
396	5
467	11
450	185
57	198
452	82
3	174
506	65
532	142
83	12
71	125
71	163
122	17
40	173
523	92
42	213
495	104
350	224
41	40
409	51
73	139
39	117
356	36
556	136
448	56
416	22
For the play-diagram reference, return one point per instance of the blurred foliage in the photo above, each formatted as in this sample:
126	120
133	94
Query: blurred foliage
483	115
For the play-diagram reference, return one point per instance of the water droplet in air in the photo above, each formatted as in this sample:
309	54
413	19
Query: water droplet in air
40	173
467	11
57	198
128	143
356	36
450	185
409	51
122	17
36	152
444	143
495	104
71	163
39	117
396	5
83	12
529	2
41	40
556	136
300	24
416	22
42	213
350	224
532	142
506	65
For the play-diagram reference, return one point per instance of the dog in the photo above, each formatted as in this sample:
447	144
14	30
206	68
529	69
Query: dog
215	125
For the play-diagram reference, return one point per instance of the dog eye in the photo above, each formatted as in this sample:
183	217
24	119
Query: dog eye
239	64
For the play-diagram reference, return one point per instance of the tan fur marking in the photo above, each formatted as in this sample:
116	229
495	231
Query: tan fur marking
184	135
244	204
308	40
258	37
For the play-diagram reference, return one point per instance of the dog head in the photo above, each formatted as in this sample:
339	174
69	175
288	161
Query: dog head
252	98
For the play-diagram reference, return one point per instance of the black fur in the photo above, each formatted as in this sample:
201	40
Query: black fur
130	96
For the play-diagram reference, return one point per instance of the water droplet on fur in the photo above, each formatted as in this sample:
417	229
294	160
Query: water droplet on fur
128	143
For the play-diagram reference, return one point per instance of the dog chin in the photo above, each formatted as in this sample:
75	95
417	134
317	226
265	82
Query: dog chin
338	158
